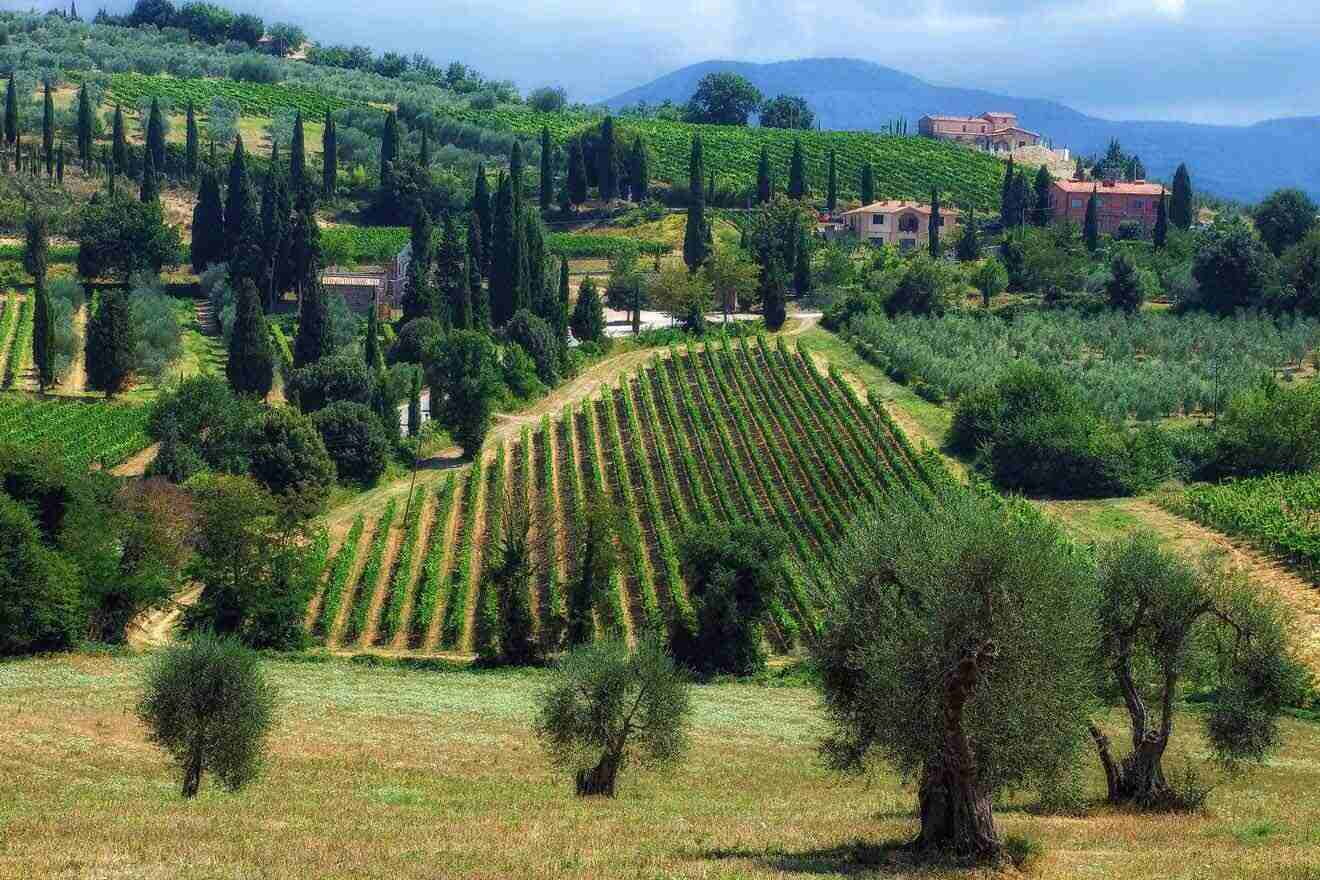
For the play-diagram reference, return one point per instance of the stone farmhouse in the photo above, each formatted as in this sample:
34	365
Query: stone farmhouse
995	132
382	285
903	224
1117	201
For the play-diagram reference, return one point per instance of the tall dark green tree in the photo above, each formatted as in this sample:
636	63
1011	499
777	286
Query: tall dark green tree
479	316
1180	203
419	288
538	291
1160	234
797	173
1008	215
516	177
59	164
110	342
371	350
1091	226
274	234
607	161
251	365
424	151
695	239
36	260
84	124
450	272
11	112
298	156
1043	212
764	186
48	129
484	210
150	190
313	341
208	239
868	184
577	173
119	146
969	244
802	282
639	169
156	136
329	157
507	261
304	252
560	319
240	213
588	319
832	185
389	152
192	144
547	191
935	222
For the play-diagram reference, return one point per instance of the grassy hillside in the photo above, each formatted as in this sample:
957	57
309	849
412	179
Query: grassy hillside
751	433
905	167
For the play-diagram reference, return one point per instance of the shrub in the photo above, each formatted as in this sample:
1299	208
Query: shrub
1269	430
547	99
193	406
410	345
256	69
927	287
840	313
343	377
209	706
520	373
355	441
159	335
534	336
41	603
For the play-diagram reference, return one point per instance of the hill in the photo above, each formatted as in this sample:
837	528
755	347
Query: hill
1238	162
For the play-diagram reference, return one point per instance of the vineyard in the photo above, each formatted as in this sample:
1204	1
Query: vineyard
1279	513
357	245
744	432
81	433
905	167
253	99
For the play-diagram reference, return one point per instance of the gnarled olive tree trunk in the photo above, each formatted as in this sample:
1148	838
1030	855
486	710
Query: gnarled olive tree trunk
955	806
599	780
1139	776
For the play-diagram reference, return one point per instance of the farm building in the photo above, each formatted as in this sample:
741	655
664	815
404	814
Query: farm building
1117	201
899	223
996	132
364	285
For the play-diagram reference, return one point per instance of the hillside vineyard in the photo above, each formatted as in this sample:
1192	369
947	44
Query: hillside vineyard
746	432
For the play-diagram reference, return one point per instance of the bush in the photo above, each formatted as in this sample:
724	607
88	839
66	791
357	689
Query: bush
520	373
1269	430
535	337
256	69
355	441
1233	268
548	99
927	287
159	335
209	706
343	377
840	313
410	345
193	406
41	603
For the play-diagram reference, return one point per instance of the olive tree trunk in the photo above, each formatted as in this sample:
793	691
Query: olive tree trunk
955	807
192	774
599	780
1139	776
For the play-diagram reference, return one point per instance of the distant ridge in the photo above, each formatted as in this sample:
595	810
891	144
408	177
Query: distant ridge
1237	162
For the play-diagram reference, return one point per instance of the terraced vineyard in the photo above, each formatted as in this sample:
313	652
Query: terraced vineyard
746	432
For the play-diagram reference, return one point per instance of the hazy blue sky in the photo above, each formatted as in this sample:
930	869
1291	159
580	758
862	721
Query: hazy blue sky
1202	60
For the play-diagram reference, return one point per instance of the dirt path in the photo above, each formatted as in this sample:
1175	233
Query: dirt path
75	381
136	465
154	629
410	585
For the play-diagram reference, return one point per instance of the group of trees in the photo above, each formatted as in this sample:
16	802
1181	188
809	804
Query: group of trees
731	99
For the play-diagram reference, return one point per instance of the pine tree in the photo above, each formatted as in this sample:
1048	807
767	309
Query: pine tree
298	156
419	289
11	112
1044	210
48	130
479	314
251	365
867	191
1007	213
640	169
156	136
507	260
389	154
1160	234
119	146
1180	203
329	157
607	161
313	340
577	173
150	190
240	214
84	124
371	350
588	321
695	247
969	245
110	342
191	144
764	187
832	190
36	260
1091	228
547	169
485	218
797	173
208	239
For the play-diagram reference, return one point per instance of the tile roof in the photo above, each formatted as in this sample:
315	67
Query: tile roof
1121	187
891	205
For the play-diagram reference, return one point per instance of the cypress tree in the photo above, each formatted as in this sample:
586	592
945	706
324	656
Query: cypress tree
1044	210
251	365
547	169
505	256
577	173
424	154
192	145
460	307
640	168
935	221
239	213
419	292
48	130
774	283
313	339
59	164
560	320
150	190
110	342
1008	215
329	157
588	321
479	315
710	189
415	404
36	260
1091	228
868	184
832	190
763	184
371	351
389	153
485	214
208	227
802	283
969	245
298	156
695	248
274	152
797	173
118	145
1180	203
1160	234
156	136
11	112
274	234
536	295
451	273
607	162
304	251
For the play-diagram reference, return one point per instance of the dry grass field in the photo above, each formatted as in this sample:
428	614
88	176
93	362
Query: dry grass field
381	772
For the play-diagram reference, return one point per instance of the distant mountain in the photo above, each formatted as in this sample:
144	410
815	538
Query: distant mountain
1237	162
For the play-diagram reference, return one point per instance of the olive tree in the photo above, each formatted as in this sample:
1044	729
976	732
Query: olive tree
1163	620
609	707
955	651
208	704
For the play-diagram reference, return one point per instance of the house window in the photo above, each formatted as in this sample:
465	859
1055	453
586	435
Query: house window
1076	203
907	224
906	244
878	219
1138	204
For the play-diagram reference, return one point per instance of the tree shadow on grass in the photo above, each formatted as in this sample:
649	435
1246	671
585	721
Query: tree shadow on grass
846	859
